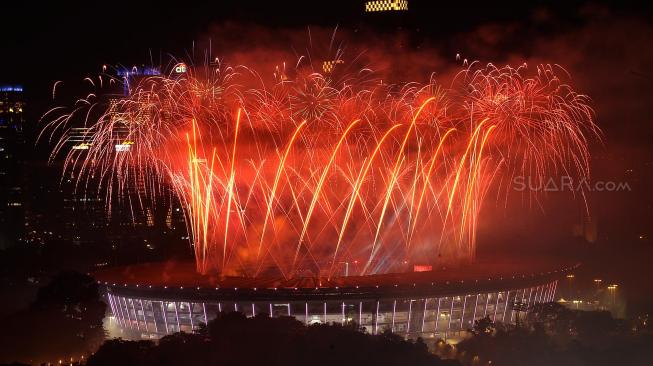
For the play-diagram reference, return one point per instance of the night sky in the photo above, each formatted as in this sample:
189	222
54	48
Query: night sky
605	47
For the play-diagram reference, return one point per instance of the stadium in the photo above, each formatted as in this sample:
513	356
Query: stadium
155	299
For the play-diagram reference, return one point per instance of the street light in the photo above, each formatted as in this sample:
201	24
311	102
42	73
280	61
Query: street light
613	289
597	281
570	288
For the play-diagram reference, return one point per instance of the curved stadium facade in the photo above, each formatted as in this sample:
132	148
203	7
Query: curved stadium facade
152	300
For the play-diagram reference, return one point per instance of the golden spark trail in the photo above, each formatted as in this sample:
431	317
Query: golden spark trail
392	181
472	187
230	188
461	164
280	167
427	178
207	204
316	193
356	189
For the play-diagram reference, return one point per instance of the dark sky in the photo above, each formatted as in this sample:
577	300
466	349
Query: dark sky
605	47
50	40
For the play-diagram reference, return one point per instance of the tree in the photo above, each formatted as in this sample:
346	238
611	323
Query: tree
554	335
233	339
483	327
121	352
64	321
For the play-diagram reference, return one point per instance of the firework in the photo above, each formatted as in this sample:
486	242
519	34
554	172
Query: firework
305	174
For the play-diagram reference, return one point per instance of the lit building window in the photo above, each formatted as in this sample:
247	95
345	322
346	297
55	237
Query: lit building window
328	66
386	5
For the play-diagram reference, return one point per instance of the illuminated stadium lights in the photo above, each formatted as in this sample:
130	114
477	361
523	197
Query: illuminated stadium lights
386	5
409	314
410	308
328	66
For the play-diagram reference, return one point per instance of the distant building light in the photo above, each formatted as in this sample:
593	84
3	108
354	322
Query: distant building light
422	268
136	71
82	146
11	88
123	147
181	68
328	66
386	5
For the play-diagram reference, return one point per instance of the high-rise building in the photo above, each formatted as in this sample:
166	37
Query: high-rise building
11	107
125	217
12	120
